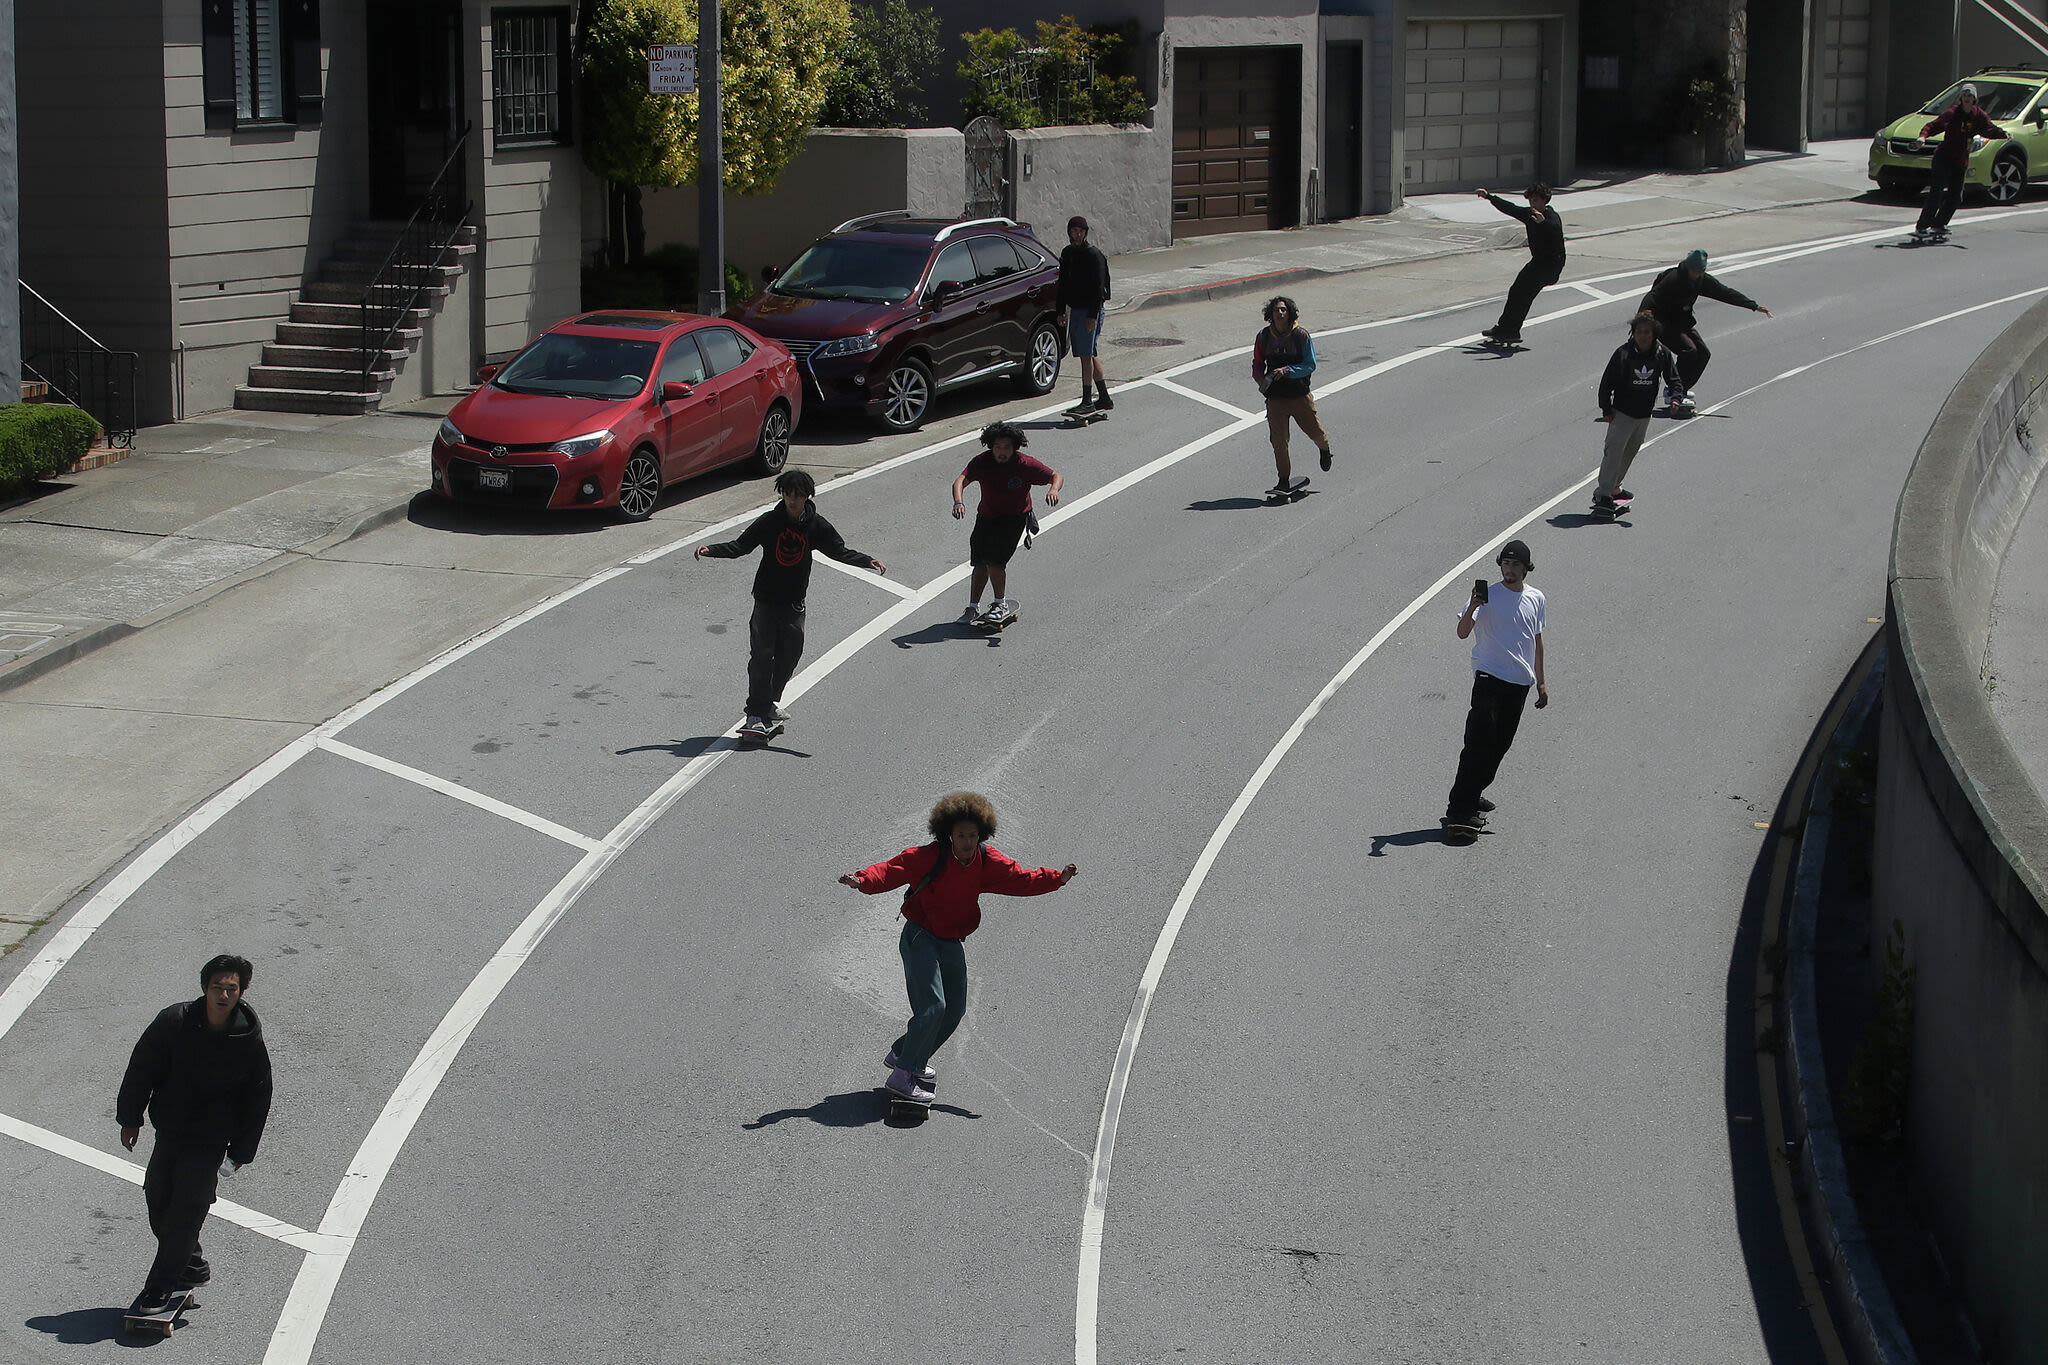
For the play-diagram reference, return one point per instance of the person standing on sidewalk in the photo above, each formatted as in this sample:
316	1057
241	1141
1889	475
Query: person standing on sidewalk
1957	124
947	878
1546	258
1283	364
1628	396
202	1074
786	534
1083	290
1507	660
1006	475
1670	300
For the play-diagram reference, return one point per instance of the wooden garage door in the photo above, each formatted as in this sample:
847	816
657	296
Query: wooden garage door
1472	91
1235	114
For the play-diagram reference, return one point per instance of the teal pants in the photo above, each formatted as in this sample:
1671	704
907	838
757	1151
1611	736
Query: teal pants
935	974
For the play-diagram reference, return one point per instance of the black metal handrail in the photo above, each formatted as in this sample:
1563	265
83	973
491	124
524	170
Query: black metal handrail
411	264
78	367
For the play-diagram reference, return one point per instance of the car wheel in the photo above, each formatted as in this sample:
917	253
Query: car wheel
640	486
1041	368
771	452
2008	179
906	395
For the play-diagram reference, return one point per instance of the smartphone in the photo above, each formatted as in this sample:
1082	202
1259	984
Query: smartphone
1479	589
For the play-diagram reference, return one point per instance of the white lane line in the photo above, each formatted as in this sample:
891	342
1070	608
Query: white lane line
468	795
122	1169
867	576
1200	397
1088	1278
1583	287
305	1310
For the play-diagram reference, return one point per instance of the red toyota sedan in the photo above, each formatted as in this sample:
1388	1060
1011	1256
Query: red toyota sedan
606	409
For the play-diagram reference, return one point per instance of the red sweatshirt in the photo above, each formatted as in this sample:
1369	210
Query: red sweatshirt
951	906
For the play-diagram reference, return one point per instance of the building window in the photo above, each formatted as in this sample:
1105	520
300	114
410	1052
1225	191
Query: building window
530	75
260	62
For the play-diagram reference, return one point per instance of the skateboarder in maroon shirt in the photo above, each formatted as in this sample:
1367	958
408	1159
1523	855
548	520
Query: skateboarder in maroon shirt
1006	475
947	877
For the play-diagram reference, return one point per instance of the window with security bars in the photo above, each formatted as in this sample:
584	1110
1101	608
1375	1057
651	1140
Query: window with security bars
530	75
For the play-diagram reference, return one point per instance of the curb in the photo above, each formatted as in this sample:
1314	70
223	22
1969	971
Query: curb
1863	1303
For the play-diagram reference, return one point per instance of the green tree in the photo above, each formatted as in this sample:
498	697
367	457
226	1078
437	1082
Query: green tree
1066	77
883	68
778	57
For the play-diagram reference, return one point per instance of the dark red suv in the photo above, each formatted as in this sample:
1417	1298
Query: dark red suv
884	312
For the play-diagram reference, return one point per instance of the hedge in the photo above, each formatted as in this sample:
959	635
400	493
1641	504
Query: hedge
665	281
38	440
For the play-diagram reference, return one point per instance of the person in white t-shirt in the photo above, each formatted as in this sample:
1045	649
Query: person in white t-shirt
1505	624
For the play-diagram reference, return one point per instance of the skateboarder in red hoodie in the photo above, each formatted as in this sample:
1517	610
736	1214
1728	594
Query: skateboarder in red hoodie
946	877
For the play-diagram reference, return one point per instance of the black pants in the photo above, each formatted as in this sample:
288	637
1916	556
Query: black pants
1692	363
1489	729
178	1187
1944	193
775	639
1536	277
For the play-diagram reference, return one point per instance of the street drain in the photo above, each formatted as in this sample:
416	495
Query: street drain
1146	341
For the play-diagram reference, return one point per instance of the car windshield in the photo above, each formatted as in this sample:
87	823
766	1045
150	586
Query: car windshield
2000	99
572	366
846	268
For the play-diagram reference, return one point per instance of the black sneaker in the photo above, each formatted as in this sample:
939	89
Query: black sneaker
1327	457
1471	819
197	1273
1484	804
150	1303
1623	495
1104	402
1082	408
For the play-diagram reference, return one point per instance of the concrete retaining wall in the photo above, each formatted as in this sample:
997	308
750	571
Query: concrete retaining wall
1119	178
1962	836
841	174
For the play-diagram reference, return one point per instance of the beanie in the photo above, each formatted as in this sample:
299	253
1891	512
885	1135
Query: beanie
1696	259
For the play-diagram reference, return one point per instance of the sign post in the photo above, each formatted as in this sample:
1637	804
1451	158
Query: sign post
710	169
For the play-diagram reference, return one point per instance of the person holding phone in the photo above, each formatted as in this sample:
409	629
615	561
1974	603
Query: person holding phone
1507	660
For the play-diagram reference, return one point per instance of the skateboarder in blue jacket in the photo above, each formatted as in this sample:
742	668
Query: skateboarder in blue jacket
202	1074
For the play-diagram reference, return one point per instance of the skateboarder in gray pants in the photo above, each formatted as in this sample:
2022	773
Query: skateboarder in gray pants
202	1073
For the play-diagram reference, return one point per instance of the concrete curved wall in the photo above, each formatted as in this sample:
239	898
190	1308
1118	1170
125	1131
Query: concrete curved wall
1962	838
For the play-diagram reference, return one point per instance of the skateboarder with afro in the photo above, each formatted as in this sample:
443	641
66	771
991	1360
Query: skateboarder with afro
202	1074
1006	475
1628	396
1283	366
946	878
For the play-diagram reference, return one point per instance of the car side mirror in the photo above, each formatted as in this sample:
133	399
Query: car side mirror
484	373
2039	116
674	390
770	274
943	290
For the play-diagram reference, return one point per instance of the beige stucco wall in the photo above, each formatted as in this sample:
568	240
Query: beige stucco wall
841	174
1113	177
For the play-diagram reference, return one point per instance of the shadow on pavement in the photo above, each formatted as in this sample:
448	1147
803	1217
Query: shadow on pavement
1572	521
87	1327
682	748
1226	504
430	510
852	1109
1434	834
941	631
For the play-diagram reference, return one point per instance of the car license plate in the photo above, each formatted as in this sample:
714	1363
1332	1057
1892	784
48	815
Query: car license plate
494	478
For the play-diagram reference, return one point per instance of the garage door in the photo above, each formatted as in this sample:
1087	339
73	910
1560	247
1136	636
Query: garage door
1472	90
1236	113
1842	49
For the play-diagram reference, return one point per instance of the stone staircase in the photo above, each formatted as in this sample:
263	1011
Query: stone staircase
316	363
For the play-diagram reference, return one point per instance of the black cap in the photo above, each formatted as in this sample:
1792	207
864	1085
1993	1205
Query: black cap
1077	221
1516	549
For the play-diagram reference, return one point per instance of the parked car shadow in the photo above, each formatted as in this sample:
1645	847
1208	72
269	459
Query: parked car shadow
433	512
851	1109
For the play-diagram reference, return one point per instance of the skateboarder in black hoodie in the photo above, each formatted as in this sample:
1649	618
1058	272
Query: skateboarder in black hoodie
1083	290
203	1074
1546	258
1670	300
786	534
1628	396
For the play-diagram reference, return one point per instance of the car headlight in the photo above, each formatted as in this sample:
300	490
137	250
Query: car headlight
583	445
866	341
448	435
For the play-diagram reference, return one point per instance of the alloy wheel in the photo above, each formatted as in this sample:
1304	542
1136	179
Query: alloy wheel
907	395
2008	180
1045	359
639	487
773	451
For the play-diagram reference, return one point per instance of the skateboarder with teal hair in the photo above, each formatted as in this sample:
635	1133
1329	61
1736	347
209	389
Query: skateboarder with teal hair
1670	301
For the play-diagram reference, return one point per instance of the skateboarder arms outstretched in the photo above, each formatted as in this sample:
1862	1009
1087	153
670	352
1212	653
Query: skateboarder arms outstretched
1628	396
1957	124
947	877
202	1073
1507	660
1083	290
1670	301
1546	257
1006	475
786	534
1283	365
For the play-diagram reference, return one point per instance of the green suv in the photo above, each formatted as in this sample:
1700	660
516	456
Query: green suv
2016	98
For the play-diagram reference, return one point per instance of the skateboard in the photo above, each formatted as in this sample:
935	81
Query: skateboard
1460	835
1502	346
164	1323
1076	420
1680	408
996	619
1620	507
1291	493
908	1112
753	737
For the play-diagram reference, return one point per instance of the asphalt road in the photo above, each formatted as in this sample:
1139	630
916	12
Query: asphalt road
593	1071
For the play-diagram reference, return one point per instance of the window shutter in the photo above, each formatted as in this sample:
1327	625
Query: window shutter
302	60
217	61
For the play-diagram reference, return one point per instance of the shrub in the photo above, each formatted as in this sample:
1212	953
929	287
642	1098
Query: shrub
1071	76
666	279
882	68
38	440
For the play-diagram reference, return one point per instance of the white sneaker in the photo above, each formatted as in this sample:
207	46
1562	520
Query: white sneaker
900	1083
927	1075
778	715
753	727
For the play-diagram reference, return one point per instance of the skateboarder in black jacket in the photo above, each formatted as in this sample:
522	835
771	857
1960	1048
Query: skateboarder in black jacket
785	534
1083	290
1546	257
1670	301
1628	396
203	1074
